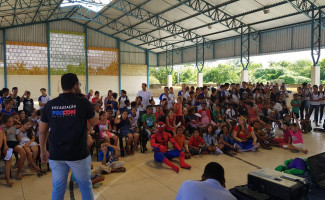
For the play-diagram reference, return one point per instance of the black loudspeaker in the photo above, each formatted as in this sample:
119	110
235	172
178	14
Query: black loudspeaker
317	169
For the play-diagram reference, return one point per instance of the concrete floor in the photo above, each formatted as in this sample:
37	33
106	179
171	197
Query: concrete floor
146	179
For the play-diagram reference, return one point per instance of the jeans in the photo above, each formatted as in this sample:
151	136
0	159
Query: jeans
312	107
82	173
321	110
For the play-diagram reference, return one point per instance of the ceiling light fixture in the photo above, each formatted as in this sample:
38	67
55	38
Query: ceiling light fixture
266	11
210	27
175	36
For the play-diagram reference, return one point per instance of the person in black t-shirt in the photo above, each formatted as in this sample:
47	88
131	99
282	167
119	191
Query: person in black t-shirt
16	99
5	96
244	91
28	103
66	116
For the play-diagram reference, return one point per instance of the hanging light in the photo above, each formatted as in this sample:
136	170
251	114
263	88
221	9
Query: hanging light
266	11
175	36
210	27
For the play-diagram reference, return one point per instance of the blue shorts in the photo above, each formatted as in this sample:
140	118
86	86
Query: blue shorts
307	104
159	157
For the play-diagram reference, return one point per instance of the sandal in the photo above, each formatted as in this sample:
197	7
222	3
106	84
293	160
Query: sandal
39	174
10	184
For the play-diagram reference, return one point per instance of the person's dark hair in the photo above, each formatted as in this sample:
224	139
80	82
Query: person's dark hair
149	106
207	129
150	100
68	81
39	112
101	113
304	84
5	90
114	95
28	92
123	91
133	104
14	88
179	127
196	129
96	92
29	131
255	121
42	89
7	101
214	170
140	97
5	118
166	88
127	102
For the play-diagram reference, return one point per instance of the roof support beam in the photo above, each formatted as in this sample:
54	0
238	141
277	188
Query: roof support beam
122	8
229	18
316	14
169	61
162	12
134	33
307	7
144	15
218	15
245	46
199	58
251	24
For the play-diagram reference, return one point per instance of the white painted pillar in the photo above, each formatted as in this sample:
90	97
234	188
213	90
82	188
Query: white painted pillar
200	79
169	80
244	75
315	75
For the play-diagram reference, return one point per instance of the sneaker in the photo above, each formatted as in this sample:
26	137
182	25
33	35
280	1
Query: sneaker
218	151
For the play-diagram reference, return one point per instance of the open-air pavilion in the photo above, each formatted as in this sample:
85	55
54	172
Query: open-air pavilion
111	44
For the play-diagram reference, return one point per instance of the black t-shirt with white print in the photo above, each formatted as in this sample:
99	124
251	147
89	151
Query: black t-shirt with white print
67	117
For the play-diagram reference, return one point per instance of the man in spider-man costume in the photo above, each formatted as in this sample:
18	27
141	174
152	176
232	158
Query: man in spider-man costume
159	142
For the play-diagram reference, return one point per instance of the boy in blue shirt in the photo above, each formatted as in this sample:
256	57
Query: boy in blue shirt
109	162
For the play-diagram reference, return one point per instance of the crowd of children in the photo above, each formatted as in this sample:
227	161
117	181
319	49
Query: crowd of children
229	118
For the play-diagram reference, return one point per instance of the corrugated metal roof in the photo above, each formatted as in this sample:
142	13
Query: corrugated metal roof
134	18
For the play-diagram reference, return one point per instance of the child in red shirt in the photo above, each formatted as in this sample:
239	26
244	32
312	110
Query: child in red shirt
159	113
196	144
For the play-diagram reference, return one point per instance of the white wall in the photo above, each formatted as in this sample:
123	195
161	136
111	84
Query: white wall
32	83
132	84
103	84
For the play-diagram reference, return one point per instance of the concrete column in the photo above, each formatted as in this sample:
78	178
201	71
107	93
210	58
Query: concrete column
315	75
244	75
169	80
200	79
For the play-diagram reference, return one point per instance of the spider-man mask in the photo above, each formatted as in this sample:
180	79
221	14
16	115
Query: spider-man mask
161	127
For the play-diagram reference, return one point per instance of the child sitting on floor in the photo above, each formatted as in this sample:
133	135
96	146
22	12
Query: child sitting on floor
180	139
109	164
196	144
296	142
211	140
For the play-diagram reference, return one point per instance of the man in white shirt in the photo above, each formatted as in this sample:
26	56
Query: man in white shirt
183	92
168	96
145	94
211	187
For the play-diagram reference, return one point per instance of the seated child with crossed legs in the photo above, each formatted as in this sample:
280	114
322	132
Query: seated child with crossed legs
109	164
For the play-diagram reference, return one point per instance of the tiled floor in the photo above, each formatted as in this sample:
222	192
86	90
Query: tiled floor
146	179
